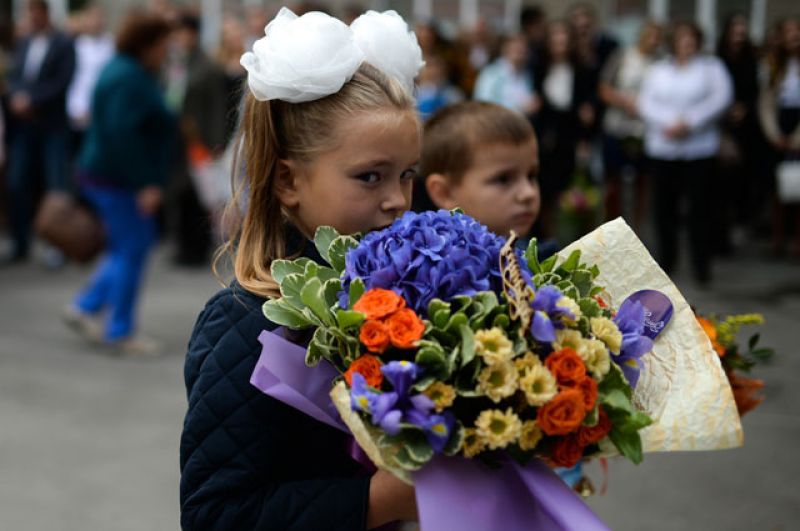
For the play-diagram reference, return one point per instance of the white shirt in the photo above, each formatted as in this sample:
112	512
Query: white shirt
789	90
37	50
92	52
558	85
696	94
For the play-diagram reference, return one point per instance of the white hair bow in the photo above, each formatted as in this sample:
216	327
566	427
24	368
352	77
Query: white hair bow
309	57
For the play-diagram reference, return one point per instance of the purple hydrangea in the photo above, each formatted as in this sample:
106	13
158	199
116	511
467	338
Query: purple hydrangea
428	255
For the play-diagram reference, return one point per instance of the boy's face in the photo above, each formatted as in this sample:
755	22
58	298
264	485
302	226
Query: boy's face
363	182
500	188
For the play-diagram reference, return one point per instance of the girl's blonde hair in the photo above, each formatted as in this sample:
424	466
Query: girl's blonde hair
271	131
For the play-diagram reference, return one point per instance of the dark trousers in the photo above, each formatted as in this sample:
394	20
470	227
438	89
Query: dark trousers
673	180
33	149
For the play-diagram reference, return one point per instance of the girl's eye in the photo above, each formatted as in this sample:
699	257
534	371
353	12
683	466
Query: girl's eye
409	174
533	176
370	177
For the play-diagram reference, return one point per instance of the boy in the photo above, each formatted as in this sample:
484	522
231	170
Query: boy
483	158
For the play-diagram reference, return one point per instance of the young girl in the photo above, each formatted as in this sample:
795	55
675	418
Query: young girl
329	137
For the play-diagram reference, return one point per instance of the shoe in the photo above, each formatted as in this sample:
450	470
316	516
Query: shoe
139	346
86	325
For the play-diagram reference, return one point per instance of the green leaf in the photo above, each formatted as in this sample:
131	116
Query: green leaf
467	345
280	269
331	290
628	443
417	446
338	249
572	261
456	440
616	399
465	381
404	459
614	380
592	417
280	312
323	239
316	350
751	344
437	305
291	287
589	307
595	271
501	321
313	297
582	279
532	256
548	264
433	361
356	290
456	321
349	318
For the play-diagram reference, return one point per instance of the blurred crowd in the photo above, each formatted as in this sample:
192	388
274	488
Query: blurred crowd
669	131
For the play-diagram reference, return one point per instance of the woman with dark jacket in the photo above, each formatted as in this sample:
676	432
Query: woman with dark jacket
123	168
742	157
565	116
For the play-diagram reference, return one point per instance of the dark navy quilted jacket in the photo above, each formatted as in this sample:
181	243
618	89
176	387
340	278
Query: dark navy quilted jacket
248	461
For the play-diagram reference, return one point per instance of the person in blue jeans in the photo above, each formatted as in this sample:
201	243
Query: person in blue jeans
123	166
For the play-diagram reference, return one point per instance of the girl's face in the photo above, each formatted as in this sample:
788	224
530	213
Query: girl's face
362	182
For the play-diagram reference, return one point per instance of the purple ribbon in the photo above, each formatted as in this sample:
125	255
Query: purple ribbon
453	493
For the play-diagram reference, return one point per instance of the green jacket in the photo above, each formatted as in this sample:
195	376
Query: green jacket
131	138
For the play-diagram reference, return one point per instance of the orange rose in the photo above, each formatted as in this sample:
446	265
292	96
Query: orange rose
367	366
378	303
563	414
566	366
375	336
405	328
593	434
588	388
566	451
711	332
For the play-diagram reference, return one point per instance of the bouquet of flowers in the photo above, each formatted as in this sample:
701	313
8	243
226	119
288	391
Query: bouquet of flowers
450	350
722	334
451	342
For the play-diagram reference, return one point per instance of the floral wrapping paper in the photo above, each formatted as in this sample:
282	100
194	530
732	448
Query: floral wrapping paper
682	387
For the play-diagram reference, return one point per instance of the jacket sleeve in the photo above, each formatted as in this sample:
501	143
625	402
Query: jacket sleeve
234	442
717	100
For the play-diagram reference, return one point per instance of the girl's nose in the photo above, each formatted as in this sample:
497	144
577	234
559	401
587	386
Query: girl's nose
398	197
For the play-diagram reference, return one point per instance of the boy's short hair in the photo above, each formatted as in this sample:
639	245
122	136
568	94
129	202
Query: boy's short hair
453	133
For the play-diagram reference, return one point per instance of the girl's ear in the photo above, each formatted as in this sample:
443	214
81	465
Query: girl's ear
286	183
440	191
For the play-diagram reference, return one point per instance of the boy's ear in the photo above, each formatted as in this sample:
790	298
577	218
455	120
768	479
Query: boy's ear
286	183
440	191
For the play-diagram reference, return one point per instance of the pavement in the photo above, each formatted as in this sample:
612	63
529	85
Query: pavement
89	440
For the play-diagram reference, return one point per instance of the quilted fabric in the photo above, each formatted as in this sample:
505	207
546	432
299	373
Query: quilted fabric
248	461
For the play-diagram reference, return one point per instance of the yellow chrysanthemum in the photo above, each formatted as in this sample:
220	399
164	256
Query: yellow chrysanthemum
442	395
539	385
606	331
530	436
595	355
568	304
473	443
528	361
567	338
498	381
498	429
493	346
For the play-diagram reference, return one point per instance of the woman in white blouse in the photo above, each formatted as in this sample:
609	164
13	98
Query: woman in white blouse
682	100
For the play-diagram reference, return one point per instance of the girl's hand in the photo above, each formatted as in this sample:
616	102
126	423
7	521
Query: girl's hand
389	500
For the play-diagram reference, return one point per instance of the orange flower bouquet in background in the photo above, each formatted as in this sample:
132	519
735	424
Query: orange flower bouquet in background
722	333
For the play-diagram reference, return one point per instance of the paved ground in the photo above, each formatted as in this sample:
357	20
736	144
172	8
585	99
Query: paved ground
90	442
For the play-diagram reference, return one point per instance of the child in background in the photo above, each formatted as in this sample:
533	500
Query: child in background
483	158
329	136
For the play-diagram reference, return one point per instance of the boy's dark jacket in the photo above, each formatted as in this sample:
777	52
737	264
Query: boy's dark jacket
248	461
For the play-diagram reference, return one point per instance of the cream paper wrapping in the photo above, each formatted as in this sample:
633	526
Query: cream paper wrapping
682	387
